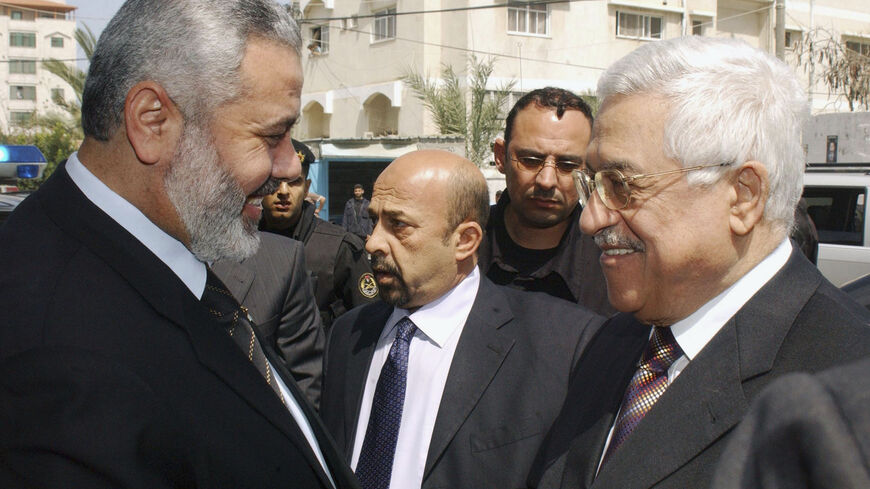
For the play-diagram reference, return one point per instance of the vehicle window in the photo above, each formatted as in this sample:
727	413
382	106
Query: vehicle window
838	213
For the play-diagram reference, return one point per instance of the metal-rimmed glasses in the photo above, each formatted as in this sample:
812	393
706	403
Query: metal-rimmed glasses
614	188
533	164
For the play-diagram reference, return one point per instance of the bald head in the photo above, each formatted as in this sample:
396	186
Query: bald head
451	179
429	208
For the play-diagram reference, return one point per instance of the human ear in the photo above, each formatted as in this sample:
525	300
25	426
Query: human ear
467	236
750	191
498	148
152	122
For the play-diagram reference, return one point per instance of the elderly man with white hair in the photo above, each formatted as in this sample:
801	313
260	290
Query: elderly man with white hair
693	173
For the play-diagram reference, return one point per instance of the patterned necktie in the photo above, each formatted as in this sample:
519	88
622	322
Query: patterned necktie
375	465
648	384
238	324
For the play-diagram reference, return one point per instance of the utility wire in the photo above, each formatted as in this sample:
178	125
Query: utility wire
438	11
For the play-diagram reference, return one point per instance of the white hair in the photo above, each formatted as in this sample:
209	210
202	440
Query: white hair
729	103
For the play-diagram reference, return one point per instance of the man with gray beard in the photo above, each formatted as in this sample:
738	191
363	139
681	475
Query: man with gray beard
124	360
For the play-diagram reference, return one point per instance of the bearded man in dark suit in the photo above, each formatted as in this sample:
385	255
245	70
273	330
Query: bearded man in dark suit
694	170
124	362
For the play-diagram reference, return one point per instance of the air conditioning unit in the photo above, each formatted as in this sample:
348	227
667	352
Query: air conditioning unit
349	23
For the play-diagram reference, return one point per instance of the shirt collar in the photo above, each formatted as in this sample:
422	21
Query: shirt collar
440	319
169	250
696	330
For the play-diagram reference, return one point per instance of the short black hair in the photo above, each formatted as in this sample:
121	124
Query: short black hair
557	98
306	156
358	185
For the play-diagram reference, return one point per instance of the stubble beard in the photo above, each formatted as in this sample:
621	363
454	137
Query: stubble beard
396	294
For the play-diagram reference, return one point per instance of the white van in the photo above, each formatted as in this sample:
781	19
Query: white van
836	197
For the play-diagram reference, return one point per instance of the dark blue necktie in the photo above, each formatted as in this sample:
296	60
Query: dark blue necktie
375	465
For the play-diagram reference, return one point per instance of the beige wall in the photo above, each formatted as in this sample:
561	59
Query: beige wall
581	43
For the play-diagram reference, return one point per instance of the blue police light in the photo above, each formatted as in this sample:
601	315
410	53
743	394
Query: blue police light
27	171
4	153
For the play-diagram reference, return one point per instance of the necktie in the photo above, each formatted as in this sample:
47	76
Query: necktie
375	465
648	384
238	324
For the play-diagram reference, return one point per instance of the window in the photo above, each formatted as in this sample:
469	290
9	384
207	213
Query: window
792	38
22	39
18	117
57	95
23	66
385	25
637	26
16	15
319	40
529	19
697	28
22	92
838	213
859	47
57	42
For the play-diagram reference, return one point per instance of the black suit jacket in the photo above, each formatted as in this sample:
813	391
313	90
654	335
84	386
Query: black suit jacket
804	432
277	291
797	322
505	384
112	374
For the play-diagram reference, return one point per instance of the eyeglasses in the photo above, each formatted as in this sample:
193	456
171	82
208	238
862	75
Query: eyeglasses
614	188
535	164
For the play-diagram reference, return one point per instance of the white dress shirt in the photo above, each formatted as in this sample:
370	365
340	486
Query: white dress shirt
177	257
696	330
439	326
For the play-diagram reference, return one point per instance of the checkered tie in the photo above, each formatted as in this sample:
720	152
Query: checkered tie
648	384
238	324
375	466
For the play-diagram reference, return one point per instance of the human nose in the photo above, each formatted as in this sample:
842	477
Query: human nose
596	216
283	189
375	242
547	177
285	160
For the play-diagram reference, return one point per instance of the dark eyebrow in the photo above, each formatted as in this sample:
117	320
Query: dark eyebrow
559	157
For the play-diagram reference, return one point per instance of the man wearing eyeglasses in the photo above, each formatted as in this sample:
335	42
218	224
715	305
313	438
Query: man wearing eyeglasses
693	173
533	241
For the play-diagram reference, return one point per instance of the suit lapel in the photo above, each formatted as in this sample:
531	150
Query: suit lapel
703	403
364	339
605	370
165	292
708	398
236	276
480	352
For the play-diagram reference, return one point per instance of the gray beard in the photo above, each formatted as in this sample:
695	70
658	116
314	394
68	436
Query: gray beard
208	200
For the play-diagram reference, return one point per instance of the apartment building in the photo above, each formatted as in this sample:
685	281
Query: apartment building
356	53
32	31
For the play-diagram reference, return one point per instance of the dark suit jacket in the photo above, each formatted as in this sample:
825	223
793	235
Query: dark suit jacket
112	374
797	322
804	431
505	384
276	289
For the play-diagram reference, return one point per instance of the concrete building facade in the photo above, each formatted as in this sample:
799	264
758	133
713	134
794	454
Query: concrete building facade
358	51
32	31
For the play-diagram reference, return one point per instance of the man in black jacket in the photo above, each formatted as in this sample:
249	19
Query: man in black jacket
336	258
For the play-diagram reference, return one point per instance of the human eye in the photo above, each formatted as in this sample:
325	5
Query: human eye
531	162
567	166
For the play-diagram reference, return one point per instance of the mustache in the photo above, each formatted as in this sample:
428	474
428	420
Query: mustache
380	264
611	238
